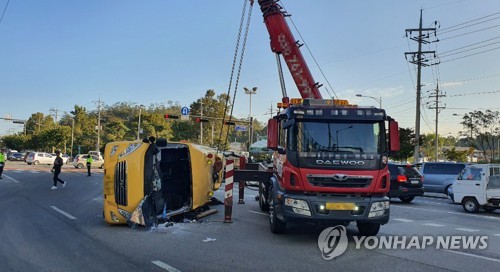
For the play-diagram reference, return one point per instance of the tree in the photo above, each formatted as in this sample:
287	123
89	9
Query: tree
406	145
486	127
453	155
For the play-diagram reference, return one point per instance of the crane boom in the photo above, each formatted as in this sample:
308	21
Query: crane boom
283	43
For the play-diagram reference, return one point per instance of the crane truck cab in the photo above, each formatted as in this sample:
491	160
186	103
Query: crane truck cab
478	185
169	178
330	165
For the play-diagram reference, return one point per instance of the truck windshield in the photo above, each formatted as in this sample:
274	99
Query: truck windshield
307	136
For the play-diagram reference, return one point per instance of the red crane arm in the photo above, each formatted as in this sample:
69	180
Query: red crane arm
283	43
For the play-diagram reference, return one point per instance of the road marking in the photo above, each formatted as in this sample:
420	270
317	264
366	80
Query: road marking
14	180
474	255
467	230
456	213
34	171
433	225
63	213
403	220
165	266
433	202
498	234
256	212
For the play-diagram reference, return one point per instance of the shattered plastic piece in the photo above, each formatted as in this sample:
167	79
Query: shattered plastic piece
209	240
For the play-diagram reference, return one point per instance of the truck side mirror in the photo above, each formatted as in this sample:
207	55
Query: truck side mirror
272	134
393	135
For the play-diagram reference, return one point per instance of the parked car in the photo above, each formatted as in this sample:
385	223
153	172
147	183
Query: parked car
15	157
478	186
80	161
39	158
64	157
439	176
406	182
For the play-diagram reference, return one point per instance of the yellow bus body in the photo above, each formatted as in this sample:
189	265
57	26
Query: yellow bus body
189	175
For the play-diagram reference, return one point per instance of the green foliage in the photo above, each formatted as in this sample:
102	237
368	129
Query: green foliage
453	155
121	121
406	145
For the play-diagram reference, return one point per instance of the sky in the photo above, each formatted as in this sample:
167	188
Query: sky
56	54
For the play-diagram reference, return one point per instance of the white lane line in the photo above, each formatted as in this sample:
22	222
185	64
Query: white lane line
467	230
63	213
498	234
432	202
403	220
456	213
165	266
433	225
473	255
34	171
256	212
14	180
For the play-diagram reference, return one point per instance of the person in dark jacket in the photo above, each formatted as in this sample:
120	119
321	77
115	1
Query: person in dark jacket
58	163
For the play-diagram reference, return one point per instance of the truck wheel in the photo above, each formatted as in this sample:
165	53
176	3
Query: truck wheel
470	205
277	227
79	166
489	208
368	229
264	206
406	199
36	162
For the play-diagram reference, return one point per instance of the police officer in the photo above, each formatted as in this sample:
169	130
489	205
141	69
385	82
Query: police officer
90	160
2	162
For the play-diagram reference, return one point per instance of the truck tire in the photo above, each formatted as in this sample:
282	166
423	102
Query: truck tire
263	204
407	199
36	162
470	205
368	229
79	166
277	227
489	208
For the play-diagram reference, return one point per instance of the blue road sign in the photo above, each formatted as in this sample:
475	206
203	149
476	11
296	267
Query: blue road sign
240	128
185	111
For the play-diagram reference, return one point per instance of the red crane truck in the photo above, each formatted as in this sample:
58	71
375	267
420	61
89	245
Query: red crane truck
330	158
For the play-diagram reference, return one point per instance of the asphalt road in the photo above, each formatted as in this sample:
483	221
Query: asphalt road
63	230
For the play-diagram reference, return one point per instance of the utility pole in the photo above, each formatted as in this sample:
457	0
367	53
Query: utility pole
250	130
72	135
201	123
55	113
437	107
418	58
98	125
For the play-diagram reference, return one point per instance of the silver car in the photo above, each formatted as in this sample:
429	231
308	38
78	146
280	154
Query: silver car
439	176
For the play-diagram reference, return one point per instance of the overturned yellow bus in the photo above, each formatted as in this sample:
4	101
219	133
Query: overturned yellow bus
160	178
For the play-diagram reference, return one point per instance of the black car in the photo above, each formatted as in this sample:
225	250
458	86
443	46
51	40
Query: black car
406	182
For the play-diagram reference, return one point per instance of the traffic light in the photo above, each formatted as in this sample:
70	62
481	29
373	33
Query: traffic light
18	121
227	123
201	120
170	116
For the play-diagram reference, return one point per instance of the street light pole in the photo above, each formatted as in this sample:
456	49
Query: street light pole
379	99
72	136
250	130
139	123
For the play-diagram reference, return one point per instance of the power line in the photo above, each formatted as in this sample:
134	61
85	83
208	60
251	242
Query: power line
468	33
475	93
4	10
451	27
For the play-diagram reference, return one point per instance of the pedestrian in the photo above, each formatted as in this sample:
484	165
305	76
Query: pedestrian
2	162
58	163
90	160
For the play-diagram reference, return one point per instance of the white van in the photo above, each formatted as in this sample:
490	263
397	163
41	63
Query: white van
477	186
